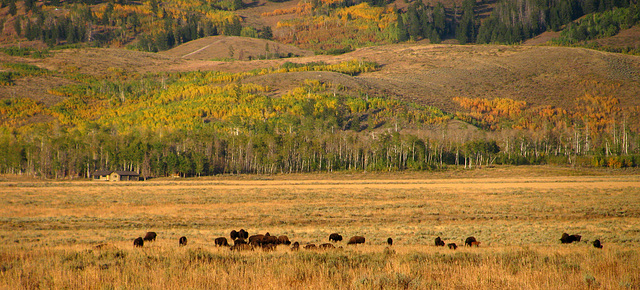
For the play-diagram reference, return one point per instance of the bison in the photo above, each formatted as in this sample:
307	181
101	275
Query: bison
221	241
326	246
243	234
568	239
469	241
452	246
268	240
233	235
335	237
150	236
597	244
256	239
284	240
439	242
356	240
182	241
476	243
390	241
295	247
310	247
139	242
268	247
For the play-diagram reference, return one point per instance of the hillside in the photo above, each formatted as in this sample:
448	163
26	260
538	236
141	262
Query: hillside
233	47
425	74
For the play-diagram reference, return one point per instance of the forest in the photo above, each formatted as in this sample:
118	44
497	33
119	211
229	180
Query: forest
205	123
323	26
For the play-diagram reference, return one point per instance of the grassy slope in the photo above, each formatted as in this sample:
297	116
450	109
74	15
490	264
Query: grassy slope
428	74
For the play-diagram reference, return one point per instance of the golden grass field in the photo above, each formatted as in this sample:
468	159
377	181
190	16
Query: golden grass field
79	234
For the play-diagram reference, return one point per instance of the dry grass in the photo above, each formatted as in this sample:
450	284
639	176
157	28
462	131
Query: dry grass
50	232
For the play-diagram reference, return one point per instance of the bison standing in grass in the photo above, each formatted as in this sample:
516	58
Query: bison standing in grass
452	246
469	241
335	237
139	242
295	247
597	244
233	235
150	236
182	241
284	240
439	242
568	239
221	241
356	240
390	241
243	234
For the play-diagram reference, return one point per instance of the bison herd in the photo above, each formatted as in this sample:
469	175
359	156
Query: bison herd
267	242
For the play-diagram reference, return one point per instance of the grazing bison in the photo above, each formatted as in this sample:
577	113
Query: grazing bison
469	240
439	242
326	246
335	237
256	239
243	234
233	235
597	244
221	241
390	241
295	247
182	241
139	242
452	246
241	247
476	243
310	247
150	236
268	240
284	240
356	240
568	239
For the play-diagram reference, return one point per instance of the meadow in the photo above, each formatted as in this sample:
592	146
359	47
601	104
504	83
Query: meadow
79	234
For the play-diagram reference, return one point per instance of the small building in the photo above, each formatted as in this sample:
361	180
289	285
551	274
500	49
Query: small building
109	175
124	176
101	175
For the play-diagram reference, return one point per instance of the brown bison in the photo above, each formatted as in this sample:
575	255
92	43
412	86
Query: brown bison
269	240
476	243
326	246
295	247
390	241
243	234
256	239
269	247
284	240
150	236
335	237
469	240
439	242
568	239
182	241
233	235
452	246
139	242
597	244
221	241
310	247
356	240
